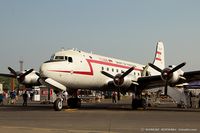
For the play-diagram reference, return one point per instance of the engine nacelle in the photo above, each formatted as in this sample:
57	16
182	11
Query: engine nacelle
175	77
31	79
172	77
127	83
121	82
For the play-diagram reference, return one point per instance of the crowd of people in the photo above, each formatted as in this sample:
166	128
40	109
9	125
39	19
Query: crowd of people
11	97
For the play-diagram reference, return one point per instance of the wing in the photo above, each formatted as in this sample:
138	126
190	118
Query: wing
192	76
150	82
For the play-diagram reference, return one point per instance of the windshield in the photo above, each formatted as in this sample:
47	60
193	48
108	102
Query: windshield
61	58
52	57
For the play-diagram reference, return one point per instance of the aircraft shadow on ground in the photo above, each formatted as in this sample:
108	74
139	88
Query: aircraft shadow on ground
108	107
127	107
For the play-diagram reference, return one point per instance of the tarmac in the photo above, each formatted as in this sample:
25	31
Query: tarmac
103	117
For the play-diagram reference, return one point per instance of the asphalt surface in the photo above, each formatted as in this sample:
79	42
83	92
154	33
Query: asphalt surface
104	117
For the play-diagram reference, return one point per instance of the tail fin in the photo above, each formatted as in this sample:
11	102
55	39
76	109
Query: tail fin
159	59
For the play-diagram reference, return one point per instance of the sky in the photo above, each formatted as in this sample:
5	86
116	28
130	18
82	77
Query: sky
32	30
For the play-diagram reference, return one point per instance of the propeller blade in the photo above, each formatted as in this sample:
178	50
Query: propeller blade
155	67
38	74
127	72
107	74
12	71
118	95
26	73
178	67
166	88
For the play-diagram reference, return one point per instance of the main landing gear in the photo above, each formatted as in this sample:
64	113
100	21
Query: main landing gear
74	102
138	101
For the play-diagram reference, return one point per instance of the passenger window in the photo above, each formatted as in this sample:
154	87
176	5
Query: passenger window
102	68
70	59
107	69
117	70
65	57
112	69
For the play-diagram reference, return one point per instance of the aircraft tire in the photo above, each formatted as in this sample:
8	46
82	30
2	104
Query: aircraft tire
136	103
58	104
74	102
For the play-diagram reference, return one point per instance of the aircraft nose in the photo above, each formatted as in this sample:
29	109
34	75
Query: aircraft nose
43	70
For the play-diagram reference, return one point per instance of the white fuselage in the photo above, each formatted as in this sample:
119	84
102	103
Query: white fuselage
78	69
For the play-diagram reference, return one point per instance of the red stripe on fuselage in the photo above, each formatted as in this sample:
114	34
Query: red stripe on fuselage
91	69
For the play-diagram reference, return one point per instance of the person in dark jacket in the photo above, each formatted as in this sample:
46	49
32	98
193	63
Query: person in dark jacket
25	98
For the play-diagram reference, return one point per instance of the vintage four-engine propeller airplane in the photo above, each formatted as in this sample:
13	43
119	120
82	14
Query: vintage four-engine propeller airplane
70	70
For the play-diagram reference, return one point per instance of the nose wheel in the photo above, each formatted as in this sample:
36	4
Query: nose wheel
58	104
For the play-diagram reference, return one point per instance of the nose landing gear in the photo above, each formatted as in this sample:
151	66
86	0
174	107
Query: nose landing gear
72	102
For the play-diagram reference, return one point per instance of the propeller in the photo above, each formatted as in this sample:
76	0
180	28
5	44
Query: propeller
167	73
19	76
118	79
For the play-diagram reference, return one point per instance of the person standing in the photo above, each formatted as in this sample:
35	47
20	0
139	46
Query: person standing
25	98
31	96
114	97
1	99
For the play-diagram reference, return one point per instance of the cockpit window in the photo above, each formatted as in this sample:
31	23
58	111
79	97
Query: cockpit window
70	59
59	58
